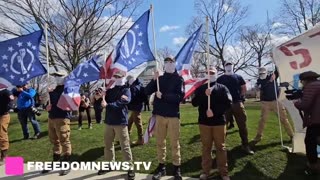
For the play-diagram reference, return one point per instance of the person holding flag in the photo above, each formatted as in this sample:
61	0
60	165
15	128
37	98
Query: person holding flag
167	112
20	63
116	119
135	106
59	124
212	125
269	93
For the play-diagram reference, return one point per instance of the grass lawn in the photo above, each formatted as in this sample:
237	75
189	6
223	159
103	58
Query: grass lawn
270	161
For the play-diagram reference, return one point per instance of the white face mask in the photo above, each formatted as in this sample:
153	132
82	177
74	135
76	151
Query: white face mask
119	82
59	80
213	78
228	69
263	76
169	67
130	82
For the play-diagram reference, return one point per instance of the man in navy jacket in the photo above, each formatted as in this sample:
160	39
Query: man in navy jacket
59	125
212	123
116	101
138	96
167	111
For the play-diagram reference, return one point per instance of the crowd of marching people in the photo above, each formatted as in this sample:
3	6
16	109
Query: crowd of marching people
218	102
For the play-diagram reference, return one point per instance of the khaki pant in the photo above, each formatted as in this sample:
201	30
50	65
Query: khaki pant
135	118
208	135
266	107
237	110
59	135
4	138
121	132
171	126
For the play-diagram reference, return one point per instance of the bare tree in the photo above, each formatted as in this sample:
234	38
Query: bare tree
297	16
77	29
257	37
225	18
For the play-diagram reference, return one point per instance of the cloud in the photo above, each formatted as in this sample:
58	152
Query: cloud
277	40
277	25
166	28
179	40
227	8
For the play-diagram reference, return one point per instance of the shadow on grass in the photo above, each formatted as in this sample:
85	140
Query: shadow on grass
189	124
251	170
93	154
42	135
232	132
294	172
195	139
192	165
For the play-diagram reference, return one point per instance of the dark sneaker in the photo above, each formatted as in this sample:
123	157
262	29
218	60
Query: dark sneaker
102	172
177	173
159	172
247	150
65	158
36	136
131	175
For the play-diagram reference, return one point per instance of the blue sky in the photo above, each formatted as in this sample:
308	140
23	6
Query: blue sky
178	14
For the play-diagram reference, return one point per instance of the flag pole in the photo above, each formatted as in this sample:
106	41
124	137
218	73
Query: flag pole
154	45
47	56
207	54
105	71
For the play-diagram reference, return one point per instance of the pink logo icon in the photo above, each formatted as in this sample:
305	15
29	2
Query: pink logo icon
14	166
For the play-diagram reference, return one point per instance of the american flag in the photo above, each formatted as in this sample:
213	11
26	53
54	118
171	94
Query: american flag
83	73
132	52
19	59
183	64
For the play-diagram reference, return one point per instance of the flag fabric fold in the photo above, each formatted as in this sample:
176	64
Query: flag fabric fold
20	60
183	64
150	129
83	73
132	52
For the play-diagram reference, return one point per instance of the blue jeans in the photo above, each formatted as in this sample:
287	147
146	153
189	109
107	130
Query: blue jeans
23	116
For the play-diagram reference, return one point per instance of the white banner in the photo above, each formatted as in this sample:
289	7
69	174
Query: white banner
298	55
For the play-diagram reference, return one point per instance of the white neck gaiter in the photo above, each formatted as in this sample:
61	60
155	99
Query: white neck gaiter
228	69
169	67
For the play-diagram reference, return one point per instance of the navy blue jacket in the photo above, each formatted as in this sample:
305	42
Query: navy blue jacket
233	83
220	102
56	112
117	110
267	88
172	89
138	96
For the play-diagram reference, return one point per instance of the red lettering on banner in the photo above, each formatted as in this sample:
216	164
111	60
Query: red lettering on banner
303	52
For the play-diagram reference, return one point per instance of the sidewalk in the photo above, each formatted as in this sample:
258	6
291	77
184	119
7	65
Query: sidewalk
77	175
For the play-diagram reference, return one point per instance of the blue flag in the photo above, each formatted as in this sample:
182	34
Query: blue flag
185	54
83	73
183	64
133	48
19	59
